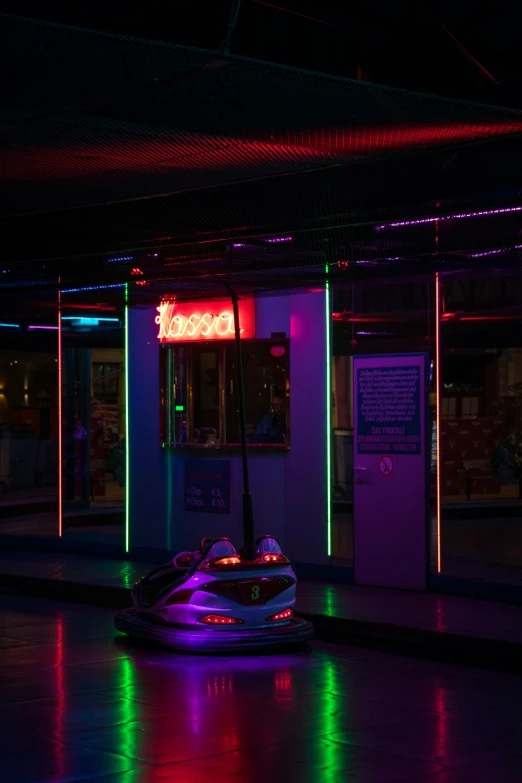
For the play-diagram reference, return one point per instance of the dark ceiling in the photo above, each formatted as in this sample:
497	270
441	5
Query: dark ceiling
458	49
183	162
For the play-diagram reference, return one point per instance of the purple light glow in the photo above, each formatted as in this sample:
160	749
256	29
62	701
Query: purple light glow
239	244
459	216
279	239
495	252
32	328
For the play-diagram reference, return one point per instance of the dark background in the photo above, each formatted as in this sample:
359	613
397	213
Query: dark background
401	44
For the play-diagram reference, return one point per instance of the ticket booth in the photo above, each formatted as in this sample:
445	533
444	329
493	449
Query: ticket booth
184	445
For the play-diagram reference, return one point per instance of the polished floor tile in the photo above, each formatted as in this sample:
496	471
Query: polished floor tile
53	762
321	761
79	702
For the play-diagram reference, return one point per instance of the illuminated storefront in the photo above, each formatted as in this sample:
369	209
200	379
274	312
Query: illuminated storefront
184	441
415	464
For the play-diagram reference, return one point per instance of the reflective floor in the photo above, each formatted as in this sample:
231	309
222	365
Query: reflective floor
76	703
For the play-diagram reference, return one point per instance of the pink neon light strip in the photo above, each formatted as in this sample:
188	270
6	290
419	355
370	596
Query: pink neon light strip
33	328
495	252
437	397
60	488
459	216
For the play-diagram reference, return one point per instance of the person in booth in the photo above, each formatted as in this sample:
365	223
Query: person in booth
272	427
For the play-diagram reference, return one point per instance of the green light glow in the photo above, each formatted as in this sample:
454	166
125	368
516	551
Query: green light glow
127	439
179	407
130	711
334	713
328	316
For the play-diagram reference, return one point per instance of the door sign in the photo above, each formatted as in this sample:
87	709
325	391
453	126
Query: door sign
386	466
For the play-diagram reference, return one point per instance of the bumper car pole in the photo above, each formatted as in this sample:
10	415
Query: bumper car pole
248	509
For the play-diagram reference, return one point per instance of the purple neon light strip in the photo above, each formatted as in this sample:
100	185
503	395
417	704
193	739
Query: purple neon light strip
496	252
459	216
42	327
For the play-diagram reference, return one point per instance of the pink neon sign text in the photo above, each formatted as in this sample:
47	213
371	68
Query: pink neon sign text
182	324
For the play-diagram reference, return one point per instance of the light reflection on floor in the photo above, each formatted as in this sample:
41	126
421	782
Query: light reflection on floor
94	707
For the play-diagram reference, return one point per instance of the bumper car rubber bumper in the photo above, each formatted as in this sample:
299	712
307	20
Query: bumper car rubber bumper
141	625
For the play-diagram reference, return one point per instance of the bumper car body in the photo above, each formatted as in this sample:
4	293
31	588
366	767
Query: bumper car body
215	601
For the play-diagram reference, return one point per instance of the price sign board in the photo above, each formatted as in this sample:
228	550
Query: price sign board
207	486
389	410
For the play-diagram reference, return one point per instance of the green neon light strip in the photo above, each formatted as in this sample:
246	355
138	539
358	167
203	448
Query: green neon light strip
127	433
328	316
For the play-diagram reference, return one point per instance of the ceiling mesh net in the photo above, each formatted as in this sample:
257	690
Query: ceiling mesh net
187	164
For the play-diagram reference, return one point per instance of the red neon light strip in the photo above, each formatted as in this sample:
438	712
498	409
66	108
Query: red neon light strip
492	317
73	306
437	396
60	500
449	317
469	56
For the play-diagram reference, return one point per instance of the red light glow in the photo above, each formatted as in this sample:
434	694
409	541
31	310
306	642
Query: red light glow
281	615
226	561
275	557
71	306
219	619
181	151
457	317
179	597
194	322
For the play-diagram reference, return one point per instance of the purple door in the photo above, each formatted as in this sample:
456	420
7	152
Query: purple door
390	470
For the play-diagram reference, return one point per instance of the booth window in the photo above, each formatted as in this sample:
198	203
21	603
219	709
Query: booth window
199	400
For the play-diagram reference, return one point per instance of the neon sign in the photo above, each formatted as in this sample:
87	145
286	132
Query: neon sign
194	322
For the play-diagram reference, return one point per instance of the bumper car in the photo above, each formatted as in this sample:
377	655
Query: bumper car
216	601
